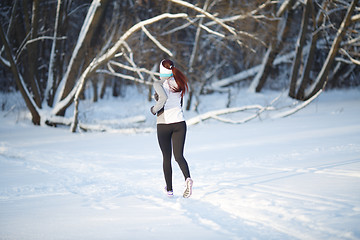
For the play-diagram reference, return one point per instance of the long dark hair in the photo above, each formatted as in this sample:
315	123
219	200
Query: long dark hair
179	77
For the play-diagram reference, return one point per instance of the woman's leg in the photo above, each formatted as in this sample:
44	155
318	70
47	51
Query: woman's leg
164	133
178	142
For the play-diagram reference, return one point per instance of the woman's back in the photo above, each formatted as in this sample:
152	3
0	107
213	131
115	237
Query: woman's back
174	98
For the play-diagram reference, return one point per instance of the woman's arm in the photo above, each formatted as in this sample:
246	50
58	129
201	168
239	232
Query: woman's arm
162	97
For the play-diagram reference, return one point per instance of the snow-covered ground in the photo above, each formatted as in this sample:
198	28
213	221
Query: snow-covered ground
288	178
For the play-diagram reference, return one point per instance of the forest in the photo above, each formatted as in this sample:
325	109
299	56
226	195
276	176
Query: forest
50	51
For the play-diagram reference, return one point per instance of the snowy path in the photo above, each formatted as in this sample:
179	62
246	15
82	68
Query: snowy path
292	178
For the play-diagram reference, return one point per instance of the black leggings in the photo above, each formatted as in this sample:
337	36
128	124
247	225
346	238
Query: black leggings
174	133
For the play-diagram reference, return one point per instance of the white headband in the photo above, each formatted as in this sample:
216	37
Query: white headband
164	72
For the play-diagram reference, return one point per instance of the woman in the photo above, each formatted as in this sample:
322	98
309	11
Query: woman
171	126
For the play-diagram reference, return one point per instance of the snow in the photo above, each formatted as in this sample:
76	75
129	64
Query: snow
288	178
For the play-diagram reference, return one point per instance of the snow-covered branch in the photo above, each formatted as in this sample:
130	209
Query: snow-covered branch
193	22
118	64
129	68
216	113
299	107
285	5
124	76
180	27
220	84
355	18
35	40
157	43
343	51
132	63
251	14
4	62
207	14
112	51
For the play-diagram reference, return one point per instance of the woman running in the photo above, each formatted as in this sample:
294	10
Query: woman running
171	125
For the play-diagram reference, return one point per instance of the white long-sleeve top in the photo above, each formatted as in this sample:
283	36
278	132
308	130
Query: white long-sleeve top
173	112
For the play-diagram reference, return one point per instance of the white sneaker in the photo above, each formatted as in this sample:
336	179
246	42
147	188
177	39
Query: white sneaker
169	193
188	188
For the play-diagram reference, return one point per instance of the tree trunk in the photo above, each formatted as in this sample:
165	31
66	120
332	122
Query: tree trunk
261	77
79	52
287	4
61	47
188	103
311	55
272	52
103	85
94	82
32	50
321	79
31	105
48	96
299	49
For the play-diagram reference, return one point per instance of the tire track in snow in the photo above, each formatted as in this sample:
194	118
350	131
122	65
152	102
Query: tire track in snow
277	213
300	210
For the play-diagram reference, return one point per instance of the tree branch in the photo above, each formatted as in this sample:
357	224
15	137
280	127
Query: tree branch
299	107
215	114
357	62
212	17
157	43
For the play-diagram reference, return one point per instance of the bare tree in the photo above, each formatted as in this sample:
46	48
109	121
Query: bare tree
216	43
300	44
276	44
30	103
305	77
38	94
323	74
302	86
